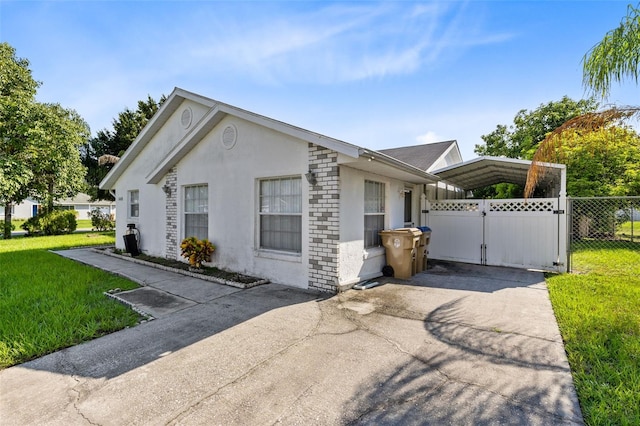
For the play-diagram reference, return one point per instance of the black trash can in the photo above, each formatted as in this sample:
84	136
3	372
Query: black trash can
131	244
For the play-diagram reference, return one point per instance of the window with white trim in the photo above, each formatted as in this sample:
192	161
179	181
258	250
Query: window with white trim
196	211
373	213
281	214
133	201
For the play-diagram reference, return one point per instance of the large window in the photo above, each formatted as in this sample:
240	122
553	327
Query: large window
196	211
281	214
133	209
373	212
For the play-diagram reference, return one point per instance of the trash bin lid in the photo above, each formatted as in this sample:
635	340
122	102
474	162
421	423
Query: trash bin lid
413	231
424	228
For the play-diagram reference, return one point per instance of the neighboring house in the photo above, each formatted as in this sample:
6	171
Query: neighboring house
278	201
28	208
81	203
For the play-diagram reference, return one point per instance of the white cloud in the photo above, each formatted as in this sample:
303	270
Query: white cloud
429	137
332	44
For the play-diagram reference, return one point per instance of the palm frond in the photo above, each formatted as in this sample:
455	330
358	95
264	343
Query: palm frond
549	149
107	159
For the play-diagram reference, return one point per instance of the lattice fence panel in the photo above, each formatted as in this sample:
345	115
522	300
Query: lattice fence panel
455	206
522	206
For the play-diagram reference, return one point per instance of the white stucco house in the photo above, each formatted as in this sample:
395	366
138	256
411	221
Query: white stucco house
81	203
278	201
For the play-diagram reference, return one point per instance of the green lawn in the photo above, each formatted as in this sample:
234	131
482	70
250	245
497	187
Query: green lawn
629	230
598	310
48	302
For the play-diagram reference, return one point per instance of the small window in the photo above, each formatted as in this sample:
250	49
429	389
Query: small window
281	214
196	211
134	204
373	212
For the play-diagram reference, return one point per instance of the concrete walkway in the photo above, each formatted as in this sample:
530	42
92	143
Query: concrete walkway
459	344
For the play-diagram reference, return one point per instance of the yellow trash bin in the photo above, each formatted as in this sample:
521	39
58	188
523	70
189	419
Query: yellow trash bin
400	247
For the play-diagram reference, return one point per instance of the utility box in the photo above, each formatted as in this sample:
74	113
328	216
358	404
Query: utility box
400	247
422	250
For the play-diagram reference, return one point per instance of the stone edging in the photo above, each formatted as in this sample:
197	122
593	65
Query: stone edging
146	315
181	271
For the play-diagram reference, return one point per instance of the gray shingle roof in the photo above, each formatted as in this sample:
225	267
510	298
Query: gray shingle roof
420	156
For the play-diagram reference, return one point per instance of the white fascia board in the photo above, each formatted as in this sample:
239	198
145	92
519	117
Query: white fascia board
175	99
454	145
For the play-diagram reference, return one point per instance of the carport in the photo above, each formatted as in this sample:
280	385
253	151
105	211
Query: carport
523	233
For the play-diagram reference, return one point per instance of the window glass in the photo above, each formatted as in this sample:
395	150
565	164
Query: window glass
281	214
134	203
196	211
374	211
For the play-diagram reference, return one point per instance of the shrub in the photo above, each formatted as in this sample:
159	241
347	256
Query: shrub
196	251
56	222
32	225
101	221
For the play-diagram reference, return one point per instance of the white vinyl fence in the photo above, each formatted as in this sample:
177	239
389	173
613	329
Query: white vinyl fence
513	232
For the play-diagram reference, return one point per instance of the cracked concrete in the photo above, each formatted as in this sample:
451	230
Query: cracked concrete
476	345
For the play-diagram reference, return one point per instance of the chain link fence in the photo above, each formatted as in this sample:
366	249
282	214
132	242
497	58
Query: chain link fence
603	223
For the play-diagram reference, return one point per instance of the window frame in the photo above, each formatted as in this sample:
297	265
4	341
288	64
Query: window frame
131	204
186	212
295	199
378	210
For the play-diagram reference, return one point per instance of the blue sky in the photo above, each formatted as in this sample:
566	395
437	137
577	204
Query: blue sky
375	74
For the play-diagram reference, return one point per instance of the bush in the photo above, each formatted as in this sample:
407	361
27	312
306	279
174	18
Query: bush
32	225
56	222
197	251
101	221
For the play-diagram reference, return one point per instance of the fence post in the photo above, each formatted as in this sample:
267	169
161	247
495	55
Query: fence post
562	233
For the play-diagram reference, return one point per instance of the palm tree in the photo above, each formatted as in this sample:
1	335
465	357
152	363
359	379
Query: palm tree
615	58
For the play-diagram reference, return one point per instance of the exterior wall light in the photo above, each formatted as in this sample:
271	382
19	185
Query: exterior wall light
167	189
311	178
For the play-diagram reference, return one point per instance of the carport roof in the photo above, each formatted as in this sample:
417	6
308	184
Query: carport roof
483	171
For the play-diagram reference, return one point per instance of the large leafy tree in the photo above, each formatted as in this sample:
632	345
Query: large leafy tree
114	143
529	128
58	137
17	97
39	143
521	139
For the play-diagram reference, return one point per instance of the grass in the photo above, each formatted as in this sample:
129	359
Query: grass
48	302
598	311
629	231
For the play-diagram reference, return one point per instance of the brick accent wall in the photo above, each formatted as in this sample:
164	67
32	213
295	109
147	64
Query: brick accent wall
324	219
171	210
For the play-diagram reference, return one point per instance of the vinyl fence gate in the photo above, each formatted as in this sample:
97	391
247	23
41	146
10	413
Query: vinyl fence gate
511	232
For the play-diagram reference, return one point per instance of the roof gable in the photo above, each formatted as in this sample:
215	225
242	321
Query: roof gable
215	112
422	156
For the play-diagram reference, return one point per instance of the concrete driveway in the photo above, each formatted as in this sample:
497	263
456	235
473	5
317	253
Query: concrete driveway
459	344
